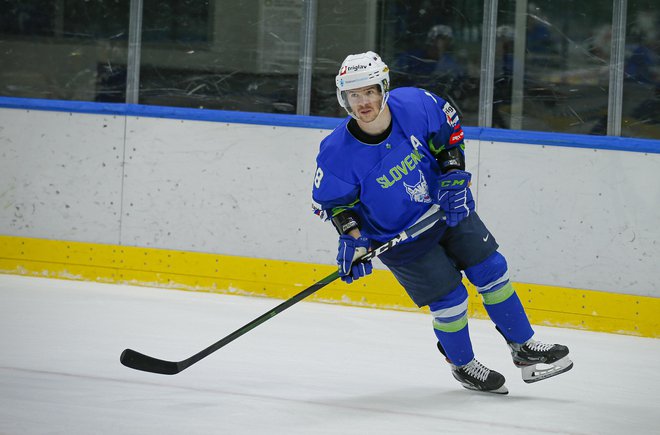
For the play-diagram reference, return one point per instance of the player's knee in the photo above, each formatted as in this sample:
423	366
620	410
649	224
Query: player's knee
488	271
491	277
450	312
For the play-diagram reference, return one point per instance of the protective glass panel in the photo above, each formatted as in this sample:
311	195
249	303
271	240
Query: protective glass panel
433	45
63	49
552	71
641	86
552	56
230	55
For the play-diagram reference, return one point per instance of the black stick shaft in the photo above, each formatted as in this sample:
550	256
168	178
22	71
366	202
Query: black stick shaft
261	319
139	361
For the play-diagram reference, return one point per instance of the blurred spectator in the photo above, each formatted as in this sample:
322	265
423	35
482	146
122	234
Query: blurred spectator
541	40
642	71
641	79
440	45
643	48
503	77
434	66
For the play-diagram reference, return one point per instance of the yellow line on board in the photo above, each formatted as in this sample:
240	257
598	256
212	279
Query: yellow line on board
545	305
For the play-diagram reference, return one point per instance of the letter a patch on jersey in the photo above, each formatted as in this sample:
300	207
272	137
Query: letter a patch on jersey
415	142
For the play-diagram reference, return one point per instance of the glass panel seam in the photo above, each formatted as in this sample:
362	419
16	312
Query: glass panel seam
133	57
486	86
617	65
307	53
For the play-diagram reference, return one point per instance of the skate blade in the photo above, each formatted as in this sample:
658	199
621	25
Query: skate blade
501	390
538	372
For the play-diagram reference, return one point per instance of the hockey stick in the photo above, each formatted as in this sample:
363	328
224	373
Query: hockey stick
140	361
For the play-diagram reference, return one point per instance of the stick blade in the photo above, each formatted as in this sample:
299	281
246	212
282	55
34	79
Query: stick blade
146	363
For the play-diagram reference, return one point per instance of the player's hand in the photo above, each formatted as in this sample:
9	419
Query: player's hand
350	249
454	196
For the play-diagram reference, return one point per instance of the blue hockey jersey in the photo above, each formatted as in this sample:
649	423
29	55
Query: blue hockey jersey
389	185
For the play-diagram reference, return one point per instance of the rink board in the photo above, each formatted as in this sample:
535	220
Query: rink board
219	201
570	211
545	305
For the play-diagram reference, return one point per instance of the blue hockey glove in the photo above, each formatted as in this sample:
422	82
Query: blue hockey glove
351	248
454	196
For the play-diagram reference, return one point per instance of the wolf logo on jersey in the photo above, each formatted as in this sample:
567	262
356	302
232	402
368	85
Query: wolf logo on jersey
420	191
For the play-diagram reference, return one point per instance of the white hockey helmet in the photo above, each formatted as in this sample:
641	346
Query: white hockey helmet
358	71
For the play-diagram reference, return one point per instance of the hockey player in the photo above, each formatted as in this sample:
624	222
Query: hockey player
397	154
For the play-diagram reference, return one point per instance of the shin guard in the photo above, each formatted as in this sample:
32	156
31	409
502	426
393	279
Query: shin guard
450	326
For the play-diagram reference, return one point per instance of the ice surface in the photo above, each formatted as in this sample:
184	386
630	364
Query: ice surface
314	369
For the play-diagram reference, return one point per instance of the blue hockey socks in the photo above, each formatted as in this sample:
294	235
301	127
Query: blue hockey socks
510	317
450	326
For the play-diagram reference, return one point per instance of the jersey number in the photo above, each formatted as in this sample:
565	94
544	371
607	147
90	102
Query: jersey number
318	177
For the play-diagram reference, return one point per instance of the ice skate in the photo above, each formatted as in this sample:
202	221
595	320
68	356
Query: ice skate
475	376
539	360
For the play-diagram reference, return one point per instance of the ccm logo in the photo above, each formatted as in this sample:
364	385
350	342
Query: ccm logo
456	137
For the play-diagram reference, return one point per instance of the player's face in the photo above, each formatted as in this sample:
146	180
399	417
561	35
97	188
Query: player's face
365	102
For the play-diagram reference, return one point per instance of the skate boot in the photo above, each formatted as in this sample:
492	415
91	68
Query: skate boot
539	360
475	376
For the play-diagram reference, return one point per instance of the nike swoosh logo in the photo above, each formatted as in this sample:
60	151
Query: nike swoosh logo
485	239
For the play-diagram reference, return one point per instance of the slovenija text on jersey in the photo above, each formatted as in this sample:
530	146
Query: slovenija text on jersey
409	163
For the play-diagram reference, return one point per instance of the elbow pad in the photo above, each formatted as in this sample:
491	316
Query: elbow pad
452	158
346	221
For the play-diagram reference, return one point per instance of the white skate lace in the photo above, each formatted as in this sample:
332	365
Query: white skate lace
538	346
476	369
